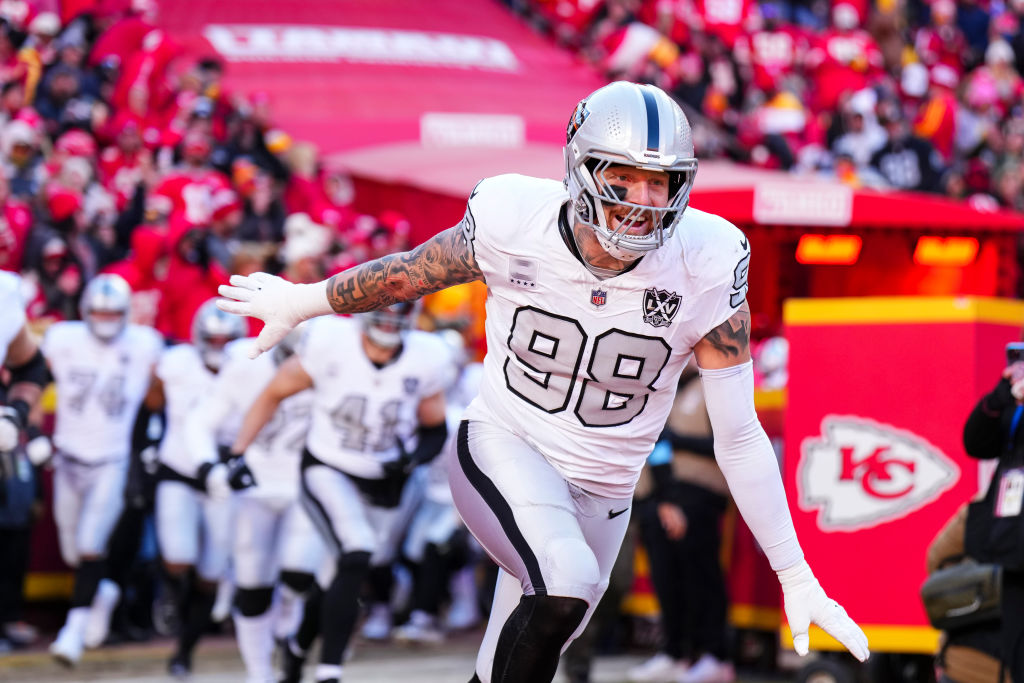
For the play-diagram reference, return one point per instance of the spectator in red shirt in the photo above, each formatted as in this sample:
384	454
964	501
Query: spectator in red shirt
15	224
845	59
192	278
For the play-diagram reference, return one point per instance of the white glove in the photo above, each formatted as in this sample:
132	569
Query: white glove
280	304
39	450
217	486
10	434
806	603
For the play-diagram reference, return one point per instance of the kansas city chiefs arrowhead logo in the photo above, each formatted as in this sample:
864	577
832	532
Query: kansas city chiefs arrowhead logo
860	473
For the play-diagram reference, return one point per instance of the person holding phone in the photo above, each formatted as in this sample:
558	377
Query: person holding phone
993	431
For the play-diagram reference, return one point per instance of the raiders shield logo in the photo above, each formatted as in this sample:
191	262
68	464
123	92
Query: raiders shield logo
411	384
598	297
660	307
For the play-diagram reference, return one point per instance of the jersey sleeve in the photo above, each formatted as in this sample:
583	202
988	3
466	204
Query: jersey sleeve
497	212
320	344
725	258
438	364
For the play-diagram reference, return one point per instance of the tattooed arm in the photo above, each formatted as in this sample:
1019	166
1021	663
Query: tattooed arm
728	344
443	261
440	262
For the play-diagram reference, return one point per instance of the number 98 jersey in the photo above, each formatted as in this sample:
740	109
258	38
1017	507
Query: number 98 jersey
359	410
584	369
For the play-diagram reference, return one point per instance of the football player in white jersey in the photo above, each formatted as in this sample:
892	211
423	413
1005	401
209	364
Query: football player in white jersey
600	290
377	387
101	367
193	529
273	539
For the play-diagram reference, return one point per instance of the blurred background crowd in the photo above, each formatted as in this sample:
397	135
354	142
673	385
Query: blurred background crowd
895	93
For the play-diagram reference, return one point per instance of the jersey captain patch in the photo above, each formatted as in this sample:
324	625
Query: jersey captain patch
660	307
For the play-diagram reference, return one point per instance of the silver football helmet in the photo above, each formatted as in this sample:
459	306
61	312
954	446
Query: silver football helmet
387	326
635	125
212	330
106	305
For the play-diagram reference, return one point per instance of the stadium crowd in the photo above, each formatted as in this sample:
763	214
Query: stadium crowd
910	94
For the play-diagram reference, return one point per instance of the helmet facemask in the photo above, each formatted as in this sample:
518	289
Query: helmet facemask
386	327
599	194
212	330
106	305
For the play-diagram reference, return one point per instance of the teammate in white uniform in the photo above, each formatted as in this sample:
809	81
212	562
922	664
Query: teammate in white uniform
20	354
600	290
273	539
377	387
101	366
434	538
193	529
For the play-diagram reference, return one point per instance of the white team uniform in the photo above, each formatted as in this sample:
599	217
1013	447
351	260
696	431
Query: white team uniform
191	528
100	386
13	306
271	530
433	518
359	413
579	378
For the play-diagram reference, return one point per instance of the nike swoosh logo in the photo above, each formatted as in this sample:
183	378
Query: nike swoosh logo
612	514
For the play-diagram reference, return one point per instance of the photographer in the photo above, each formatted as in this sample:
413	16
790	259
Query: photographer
993	431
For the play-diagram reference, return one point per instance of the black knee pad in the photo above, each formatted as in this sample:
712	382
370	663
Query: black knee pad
357	562
252	602
300	582
553	616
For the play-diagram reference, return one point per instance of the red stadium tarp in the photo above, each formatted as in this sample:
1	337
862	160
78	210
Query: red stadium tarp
356	73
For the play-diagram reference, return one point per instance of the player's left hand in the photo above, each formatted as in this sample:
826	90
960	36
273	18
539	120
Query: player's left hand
806	603
278	303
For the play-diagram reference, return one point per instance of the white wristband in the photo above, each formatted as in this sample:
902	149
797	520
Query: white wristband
311	300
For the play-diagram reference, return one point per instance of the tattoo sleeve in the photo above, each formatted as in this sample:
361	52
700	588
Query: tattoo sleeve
442	261
731	339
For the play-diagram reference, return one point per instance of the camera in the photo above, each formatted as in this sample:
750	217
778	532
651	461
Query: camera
1014	352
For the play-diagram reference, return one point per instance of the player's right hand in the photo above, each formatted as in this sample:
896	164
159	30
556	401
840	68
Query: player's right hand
270	298
213	477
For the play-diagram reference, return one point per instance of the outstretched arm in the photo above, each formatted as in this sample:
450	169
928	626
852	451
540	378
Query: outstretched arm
442	261
748	462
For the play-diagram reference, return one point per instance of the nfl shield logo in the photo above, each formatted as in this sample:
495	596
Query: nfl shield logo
598	297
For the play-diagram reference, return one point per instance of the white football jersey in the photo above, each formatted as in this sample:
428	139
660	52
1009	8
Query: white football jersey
99	387
585	369
360	410
13	306
186	381
275	453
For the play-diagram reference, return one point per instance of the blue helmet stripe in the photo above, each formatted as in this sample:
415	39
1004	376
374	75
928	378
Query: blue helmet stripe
653	132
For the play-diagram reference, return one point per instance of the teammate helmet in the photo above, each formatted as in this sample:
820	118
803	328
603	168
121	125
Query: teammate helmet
105	305
387	326
212	329
635	125
286	348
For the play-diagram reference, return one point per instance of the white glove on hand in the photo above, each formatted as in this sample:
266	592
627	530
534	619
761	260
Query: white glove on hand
280	304
39	450
217	486
806	603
